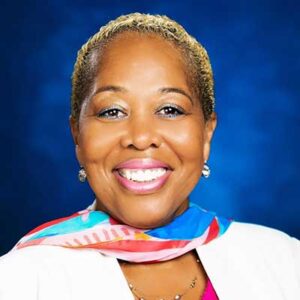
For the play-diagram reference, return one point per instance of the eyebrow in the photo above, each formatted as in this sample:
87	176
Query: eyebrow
165	90
110	88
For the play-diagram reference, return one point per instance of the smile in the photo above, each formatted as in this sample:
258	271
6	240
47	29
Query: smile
142	175
142	181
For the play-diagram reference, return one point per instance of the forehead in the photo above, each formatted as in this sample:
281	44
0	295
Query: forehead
133	41
132	54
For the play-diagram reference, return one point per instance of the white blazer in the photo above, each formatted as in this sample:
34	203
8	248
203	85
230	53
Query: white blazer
249	262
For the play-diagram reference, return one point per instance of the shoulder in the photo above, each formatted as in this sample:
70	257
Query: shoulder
250	246
19	274
35	256
263	248
240	231
262	238
20	270
31	273
254	256
40	258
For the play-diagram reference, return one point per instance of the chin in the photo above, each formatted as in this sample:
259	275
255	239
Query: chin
147	219
146	223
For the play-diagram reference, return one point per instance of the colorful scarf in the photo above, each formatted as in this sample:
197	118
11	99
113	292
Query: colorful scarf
90	229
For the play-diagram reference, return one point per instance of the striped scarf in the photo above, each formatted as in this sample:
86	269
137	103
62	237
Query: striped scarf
90	229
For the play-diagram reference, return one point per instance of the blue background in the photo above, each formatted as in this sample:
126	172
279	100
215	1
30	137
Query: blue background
254	48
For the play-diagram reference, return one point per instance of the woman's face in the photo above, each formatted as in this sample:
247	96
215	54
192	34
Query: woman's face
142	113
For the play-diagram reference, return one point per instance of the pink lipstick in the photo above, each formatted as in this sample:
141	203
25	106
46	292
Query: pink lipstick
142	164
145	163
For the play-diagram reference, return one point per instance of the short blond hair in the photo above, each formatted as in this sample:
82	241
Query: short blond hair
87	62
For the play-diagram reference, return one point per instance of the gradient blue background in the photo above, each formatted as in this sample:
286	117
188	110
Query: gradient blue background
254	48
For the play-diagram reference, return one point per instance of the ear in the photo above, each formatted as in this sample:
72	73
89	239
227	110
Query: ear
210	127
75	134
74	128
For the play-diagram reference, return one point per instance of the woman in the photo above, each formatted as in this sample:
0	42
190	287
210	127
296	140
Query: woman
142	121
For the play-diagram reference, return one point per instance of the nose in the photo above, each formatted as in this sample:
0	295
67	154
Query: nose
141	134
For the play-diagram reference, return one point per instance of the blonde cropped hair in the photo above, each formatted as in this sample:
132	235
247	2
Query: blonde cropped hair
88	57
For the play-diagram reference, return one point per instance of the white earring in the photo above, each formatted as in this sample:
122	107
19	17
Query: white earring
82	174
206	170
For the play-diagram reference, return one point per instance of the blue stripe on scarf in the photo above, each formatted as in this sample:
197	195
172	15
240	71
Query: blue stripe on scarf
75	224
191	224
223	224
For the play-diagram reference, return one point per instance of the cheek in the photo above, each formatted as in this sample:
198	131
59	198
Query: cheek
189	139
95	142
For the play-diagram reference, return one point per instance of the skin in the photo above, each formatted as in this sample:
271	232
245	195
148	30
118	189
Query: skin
141	66
168	278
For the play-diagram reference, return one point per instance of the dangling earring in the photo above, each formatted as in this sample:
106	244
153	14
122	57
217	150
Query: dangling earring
206	170
82	174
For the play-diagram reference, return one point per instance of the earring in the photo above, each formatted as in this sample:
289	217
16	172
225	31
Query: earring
82	174
206	170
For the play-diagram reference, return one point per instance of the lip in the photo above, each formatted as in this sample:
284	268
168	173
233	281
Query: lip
144	163
142	187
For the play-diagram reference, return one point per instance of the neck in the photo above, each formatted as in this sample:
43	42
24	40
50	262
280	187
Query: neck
168	277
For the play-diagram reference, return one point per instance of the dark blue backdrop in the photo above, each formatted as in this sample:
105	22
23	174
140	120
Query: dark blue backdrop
254	47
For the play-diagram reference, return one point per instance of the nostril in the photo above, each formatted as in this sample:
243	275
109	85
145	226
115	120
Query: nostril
138	135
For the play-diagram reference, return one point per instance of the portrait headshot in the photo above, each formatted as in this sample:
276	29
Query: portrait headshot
150	150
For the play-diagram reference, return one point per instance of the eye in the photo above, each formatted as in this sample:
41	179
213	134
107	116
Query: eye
171	111
111	113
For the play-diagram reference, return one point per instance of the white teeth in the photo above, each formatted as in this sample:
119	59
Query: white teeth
142	175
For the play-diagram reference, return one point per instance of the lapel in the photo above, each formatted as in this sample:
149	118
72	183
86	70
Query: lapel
238	268
215	263
115	286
